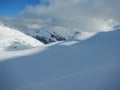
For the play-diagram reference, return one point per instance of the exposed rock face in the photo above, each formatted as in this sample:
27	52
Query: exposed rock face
54	37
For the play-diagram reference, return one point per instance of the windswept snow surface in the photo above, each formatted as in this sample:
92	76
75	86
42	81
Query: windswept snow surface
93	64
12	39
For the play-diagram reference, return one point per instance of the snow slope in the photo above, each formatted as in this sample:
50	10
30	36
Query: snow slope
11	39
92	64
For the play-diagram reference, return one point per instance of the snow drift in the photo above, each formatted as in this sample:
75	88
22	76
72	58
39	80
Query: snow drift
93	64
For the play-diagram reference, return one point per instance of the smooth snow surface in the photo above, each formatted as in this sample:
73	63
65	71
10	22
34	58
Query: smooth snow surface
93	64
12	39
7	55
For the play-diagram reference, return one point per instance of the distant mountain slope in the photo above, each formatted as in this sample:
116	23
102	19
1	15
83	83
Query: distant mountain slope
92	64
48	34
12	39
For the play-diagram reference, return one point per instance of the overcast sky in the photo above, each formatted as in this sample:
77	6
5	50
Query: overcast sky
85	15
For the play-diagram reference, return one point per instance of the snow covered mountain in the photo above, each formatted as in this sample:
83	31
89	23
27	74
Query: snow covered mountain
83	61
12	39
48	34
92	64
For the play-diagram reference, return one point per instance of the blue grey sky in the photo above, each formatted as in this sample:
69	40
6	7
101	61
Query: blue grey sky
14	7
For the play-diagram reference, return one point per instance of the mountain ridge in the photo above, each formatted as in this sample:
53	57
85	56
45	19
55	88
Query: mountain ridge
12	39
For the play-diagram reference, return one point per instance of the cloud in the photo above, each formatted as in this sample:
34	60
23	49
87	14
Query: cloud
85	15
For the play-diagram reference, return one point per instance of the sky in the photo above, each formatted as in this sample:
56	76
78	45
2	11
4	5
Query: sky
14	7
84	15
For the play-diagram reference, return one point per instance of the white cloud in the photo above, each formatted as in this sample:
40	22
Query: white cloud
85	15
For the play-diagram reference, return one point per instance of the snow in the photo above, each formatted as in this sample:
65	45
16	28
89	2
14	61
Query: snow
62	33
84	35
91	64
46	31
12	54
12	39
68	43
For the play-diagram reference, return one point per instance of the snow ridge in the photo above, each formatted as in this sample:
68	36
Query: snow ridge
12	39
